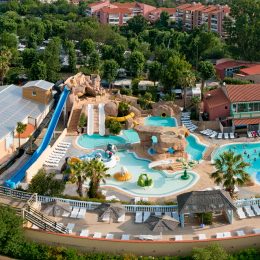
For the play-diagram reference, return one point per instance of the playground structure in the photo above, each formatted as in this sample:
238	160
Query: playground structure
123	175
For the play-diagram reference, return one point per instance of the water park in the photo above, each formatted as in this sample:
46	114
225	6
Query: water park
157	162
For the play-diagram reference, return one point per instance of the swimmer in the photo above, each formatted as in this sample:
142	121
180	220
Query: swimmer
248	156
245	152
255	150
254	159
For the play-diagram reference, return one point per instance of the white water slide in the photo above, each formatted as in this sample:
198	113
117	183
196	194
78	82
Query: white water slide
90	129
101	119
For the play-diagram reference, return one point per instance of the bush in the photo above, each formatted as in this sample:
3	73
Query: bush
235	81
206	218
82	120
145	101
126	91
113	126
212	252
123	109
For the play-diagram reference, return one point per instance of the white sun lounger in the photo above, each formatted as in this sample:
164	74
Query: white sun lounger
60	149
59	152
138	217
202	236
204	131
240	233
121	219
256	230
249	134
157	213
213	135
241	213
56	156
256	209
110	236
84	233
249	211
74	212
232	136
106	217
226	135
51	165
227	234
146	215
65	214
112	197
97	235
178	238
125	237
70	227
209	133
175	215
220	235
63	142
63	145
220	135
81	213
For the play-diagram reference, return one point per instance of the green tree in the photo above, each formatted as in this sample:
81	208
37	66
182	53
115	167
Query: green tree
230	171
137	24
52	59
38	70
154	71
46	184
72	56
11	234
206	71
96	171
195	101
87	47
5	60
8	40
135	63
94	62
163	22
211	252
20	129
29	56
109	69
78	174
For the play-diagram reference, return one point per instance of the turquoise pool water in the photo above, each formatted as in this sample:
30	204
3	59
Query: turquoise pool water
194	148
160	121
250	153
163	184
131	136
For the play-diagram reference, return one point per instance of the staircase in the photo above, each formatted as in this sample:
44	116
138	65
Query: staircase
208	152
96	120
73	123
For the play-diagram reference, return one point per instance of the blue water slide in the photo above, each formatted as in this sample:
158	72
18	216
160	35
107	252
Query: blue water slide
20	174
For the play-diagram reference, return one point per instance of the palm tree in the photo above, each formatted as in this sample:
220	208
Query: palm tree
187	80
230	171
96	171
20	129
78	174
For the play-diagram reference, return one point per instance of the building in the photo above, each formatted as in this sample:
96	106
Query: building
235	106
155	14
251	74
193	15
28	104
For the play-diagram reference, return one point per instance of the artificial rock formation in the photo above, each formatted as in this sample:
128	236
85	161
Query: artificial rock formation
165	107
111	108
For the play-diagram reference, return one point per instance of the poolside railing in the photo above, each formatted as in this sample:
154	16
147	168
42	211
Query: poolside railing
89	205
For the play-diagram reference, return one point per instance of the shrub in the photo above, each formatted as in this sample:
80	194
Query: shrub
123	109
82	120
212	252
235	81
206	218
145	101
126	91
113	126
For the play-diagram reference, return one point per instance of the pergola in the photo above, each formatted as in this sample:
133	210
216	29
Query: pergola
205	201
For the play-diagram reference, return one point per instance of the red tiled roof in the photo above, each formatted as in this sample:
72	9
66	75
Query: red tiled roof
125	5
96	4
243	93
230	64
164	9
115	10
215	98
28	131
246	121
252	70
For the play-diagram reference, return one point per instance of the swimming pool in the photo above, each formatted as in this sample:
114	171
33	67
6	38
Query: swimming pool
194	148
164	184
160	121
250	153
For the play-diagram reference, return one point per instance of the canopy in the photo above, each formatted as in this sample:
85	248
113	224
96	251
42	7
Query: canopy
162	223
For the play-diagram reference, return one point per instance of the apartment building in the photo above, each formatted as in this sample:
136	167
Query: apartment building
155	14
194	15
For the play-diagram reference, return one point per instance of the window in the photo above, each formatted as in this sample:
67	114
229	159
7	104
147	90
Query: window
242	108
34	93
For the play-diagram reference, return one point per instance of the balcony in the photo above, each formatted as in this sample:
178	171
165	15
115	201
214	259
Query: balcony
246	114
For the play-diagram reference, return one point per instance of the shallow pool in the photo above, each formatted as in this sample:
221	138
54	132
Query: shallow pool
160	121
250	153
194	148
164	184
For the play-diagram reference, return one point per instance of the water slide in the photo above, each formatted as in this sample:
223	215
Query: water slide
20	174
101	119
90	129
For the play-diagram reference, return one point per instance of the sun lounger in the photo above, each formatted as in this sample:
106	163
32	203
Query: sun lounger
178	238
125	237
202	236
226	135
63	145
204	131
110	236
241	213
55	156
220	135
139	217
106	217
146	215
213	135
232	136
60	149
63	142
209	133
249	134
74	212
84	233
81	213
70	227
51	165
144	199
240	233
65	214
59	152
121	218
97	235
256	209
175	215
137	199
249	211
220	235
112	197
227	234
157	213
256	230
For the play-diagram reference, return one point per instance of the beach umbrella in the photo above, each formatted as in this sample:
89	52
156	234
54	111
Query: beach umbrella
162	223
110	210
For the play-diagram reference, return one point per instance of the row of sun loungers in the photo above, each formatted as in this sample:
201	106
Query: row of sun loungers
75	213
252	134
58	153
185	120
141	216
250	211
213	134
139	199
